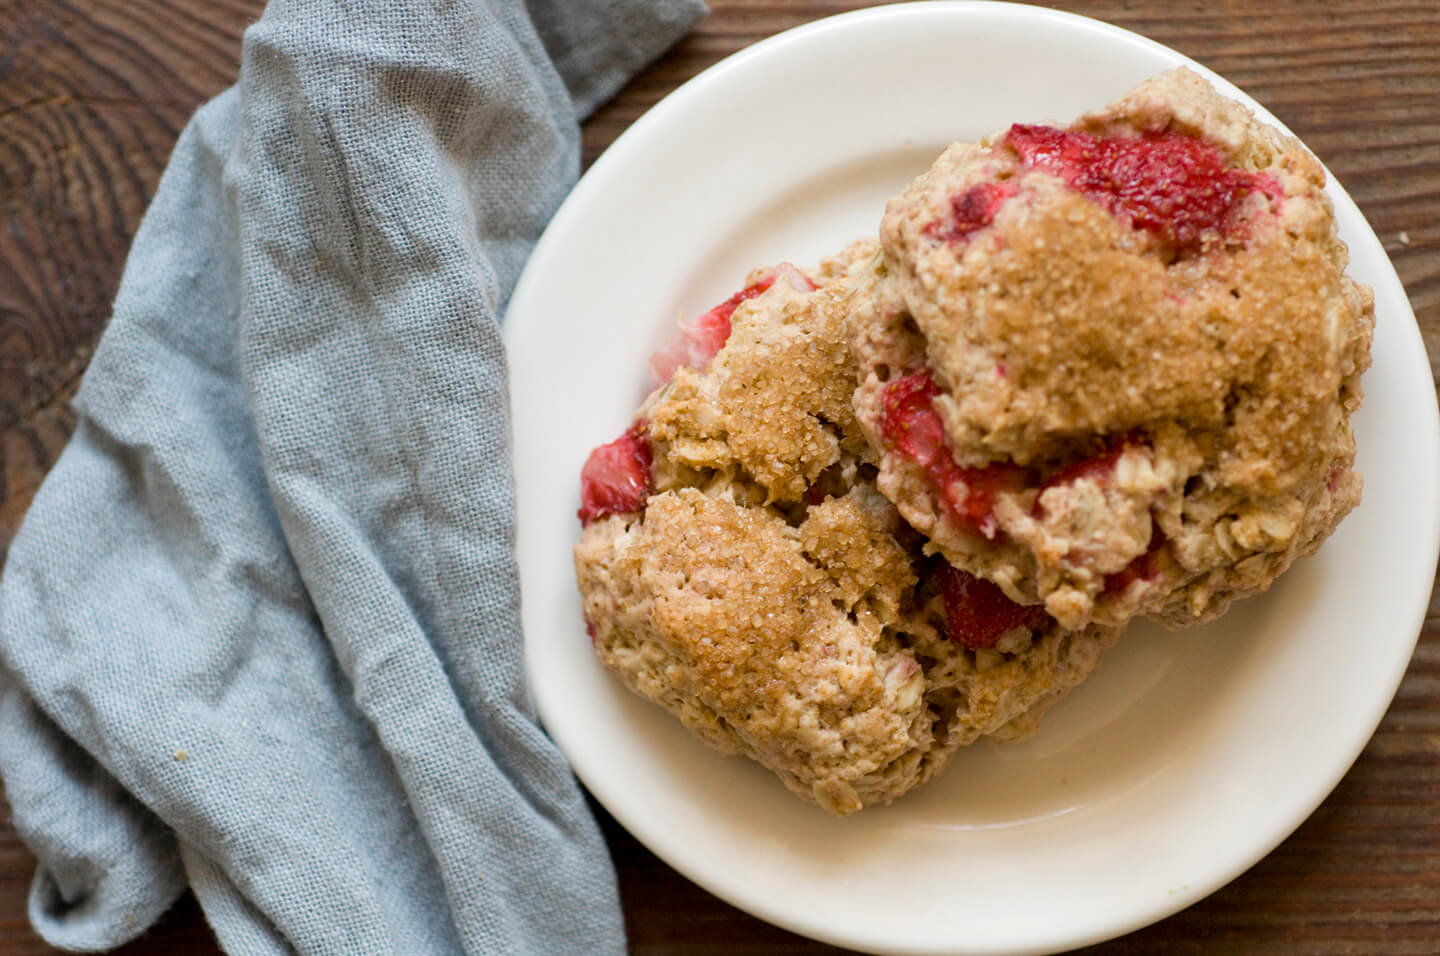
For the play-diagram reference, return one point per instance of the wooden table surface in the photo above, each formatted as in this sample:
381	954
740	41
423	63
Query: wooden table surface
94	92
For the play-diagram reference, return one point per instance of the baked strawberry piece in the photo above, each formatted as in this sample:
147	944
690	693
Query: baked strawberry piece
703	336
616	477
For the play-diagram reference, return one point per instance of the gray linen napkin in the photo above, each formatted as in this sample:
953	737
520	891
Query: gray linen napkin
259	631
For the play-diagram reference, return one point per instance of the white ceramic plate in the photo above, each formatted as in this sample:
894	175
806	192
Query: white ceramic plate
1185	759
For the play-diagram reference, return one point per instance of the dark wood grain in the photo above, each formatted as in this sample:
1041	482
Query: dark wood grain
94	92
92	96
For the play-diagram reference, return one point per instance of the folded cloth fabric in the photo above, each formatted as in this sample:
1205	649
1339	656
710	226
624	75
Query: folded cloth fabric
259	632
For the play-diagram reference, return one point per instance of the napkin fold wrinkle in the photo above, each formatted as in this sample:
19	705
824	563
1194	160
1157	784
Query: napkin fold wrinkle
259	632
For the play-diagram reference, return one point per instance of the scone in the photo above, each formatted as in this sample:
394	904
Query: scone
1111	367
739	568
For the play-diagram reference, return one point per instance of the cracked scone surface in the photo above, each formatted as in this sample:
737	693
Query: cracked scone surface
770	598
1132	342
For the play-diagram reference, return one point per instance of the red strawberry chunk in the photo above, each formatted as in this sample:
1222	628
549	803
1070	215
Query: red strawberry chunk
700	339
1175	186
914	429
911	424
973	493
1099	468
1145	567
971	211
978	613
616	477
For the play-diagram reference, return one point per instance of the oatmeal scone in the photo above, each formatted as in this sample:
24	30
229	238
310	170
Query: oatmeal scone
739	568
1111	367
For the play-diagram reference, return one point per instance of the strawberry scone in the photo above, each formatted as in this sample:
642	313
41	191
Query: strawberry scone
1111	367
739	568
